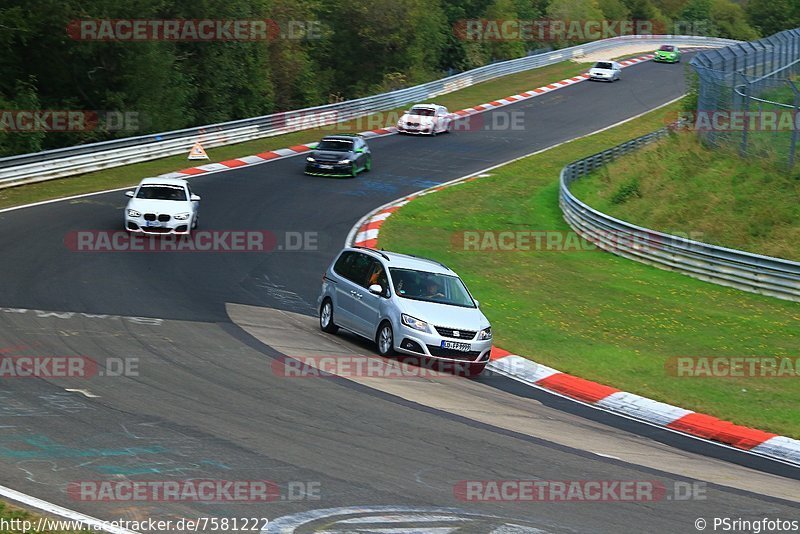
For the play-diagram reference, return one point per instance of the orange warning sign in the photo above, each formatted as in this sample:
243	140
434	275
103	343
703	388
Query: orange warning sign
198	152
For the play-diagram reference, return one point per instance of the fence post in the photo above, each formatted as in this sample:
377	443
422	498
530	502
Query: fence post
743	147
793	146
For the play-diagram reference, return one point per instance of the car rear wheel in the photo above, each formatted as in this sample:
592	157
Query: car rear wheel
385	339
326	318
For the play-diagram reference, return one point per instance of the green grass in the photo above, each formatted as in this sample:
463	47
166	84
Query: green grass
9	513
131	174
597	315
715	196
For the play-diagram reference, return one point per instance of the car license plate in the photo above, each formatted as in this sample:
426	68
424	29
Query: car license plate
456	345
326	166
153	224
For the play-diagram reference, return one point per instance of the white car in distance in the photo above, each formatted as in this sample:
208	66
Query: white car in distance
427	119
609	71
162	206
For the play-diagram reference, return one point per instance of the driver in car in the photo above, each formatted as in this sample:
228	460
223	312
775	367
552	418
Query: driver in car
432	290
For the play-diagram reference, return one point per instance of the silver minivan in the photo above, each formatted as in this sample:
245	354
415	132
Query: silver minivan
406	304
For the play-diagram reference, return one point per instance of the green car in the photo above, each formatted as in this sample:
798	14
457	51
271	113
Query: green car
668	54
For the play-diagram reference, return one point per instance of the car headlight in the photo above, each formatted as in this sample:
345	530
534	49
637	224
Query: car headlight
344	161
309	158
134	213
413	322
182	216
484	334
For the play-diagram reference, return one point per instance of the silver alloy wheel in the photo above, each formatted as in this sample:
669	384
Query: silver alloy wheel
325	315
385	340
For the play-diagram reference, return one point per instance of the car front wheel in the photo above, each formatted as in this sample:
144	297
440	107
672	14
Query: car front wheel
385	339
326	318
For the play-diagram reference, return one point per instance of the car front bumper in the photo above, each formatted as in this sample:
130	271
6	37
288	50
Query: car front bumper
336	169
666	59
429	346
415	130
171	227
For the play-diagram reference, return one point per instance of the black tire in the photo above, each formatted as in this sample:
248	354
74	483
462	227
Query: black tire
326	323
354	170
368	164
385	344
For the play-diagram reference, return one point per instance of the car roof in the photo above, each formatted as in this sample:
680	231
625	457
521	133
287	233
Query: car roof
426	106
407	261
341	137
163	181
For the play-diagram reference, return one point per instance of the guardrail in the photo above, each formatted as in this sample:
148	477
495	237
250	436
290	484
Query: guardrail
52	164
766	275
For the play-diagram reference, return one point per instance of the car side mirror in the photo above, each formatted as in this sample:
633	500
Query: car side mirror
376	289
194	198
477	303
129	194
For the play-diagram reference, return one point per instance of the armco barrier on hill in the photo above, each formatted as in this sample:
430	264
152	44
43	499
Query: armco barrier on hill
48	165
728	267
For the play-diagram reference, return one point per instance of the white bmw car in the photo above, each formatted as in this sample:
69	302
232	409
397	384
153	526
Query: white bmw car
162	206
429	119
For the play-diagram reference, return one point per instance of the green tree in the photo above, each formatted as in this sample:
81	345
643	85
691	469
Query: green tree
730	21
614	9
773	16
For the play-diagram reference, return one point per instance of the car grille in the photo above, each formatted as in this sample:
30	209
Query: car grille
453	354
152	217
450	332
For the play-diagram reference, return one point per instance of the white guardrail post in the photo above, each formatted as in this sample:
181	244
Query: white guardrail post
60	163
766	275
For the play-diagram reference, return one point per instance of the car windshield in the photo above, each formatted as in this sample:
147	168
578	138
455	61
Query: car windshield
161	192
336	145
423	112
667	48
430	287
602	65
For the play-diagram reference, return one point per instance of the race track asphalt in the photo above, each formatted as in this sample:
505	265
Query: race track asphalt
206	401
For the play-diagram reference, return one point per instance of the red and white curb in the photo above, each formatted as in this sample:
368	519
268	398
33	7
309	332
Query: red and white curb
365	234
296	150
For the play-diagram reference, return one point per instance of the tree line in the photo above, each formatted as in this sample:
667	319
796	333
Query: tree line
335	49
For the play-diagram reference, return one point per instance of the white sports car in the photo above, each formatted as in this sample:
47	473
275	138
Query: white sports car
429	119
162	206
